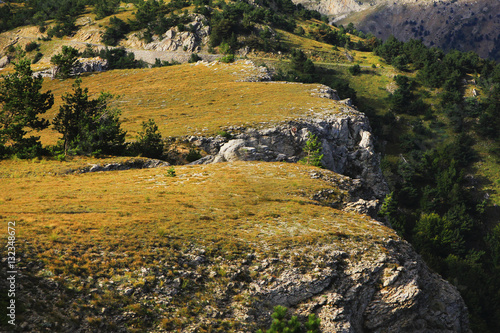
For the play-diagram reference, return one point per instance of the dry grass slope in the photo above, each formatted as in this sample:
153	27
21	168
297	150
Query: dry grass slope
190	99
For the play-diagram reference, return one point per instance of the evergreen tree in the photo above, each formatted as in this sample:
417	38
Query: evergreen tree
313	151
22	104
149	141
89	126
65	61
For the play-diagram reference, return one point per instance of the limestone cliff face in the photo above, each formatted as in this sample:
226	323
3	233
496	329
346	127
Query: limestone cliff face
391	292
449	24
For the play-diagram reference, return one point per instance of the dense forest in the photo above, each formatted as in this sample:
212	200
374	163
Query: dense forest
435	202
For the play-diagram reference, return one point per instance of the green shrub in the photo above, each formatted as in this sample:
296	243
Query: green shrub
149	141
31	46
227	58
281	325
193	155
65	61
355	69
194	58
89	126
171	172
37	57
313	151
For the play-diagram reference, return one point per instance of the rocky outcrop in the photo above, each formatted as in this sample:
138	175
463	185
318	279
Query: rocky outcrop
190	40
83	65
137	163
352	287
4	61
393	292
87	65
345	136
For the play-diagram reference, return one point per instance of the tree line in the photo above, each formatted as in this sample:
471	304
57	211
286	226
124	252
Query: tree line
435	204
89	126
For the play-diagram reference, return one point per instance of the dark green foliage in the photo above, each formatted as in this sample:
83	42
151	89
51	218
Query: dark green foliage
152	15
65	61
119	58
281	325
324	33
194	58
400	62
36	12
31	46
65	17
355	69
344	90
239	18
22	104
390	49
89	52
37	57
89	126
493	242
489	120
164	63
115	32
171	172
193	155
228	58
103	8
302	68
312	149
404	100
149	141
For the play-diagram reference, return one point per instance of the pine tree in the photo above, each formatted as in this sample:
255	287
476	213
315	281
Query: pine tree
313	151
89	126
21	105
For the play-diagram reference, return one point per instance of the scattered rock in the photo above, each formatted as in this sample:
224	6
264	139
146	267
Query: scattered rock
138	163
4	61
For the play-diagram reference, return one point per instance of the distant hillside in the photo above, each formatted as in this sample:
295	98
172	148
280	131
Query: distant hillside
449	24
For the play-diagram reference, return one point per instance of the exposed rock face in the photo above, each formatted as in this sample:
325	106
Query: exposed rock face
138	163
4	61
83	65
465	25
337	8
87	65
346	140
175	40
394	292
353	286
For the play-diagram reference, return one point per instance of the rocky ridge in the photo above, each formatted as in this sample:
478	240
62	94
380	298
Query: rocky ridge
346	139
380	286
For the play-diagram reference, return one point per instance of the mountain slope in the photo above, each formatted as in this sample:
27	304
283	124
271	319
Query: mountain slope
213	248
463	25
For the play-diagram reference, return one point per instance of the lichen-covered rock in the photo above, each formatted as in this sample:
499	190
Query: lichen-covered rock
136	163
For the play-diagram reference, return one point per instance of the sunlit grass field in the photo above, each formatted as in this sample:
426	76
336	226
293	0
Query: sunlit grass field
194	99
245	201
226	205
97	234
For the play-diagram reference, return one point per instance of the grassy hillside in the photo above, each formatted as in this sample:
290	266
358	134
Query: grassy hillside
101	235
195	99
